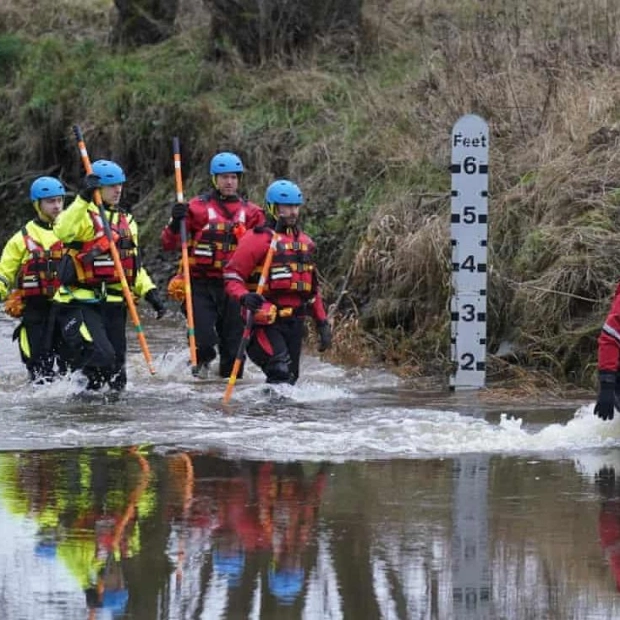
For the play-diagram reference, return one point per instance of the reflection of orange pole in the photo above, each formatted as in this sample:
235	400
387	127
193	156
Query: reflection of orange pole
189	307
133	498
188	493
114	253
249	324
120	526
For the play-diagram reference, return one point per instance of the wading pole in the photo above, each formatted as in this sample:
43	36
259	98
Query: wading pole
249	323
189	307
114	253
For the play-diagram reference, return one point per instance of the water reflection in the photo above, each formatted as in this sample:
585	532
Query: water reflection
143	535
84	509
608	484
471	582
242	534
147	533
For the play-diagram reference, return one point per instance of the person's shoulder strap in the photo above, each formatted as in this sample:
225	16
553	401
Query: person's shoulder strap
263	229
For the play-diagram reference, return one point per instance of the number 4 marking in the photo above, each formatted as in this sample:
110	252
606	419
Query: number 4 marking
469	264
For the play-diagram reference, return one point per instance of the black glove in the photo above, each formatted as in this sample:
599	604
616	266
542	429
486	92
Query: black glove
90	183
325	336
604	407
178	212
252	301
152	297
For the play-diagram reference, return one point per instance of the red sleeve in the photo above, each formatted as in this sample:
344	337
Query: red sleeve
170	240
250	252
256	216
318	308
609	339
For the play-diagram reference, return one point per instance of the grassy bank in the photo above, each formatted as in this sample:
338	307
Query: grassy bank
366	134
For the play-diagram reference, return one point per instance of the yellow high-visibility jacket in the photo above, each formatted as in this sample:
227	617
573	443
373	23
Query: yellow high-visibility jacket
74	224
15	253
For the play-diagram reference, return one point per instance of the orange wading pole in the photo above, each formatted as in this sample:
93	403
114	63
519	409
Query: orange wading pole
249	323
189	307
114	253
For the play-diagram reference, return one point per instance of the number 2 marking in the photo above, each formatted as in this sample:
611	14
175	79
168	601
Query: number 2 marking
468	361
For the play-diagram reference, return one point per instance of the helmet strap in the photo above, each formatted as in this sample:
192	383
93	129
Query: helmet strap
37	207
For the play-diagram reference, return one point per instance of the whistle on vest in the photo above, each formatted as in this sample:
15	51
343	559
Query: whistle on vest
239	230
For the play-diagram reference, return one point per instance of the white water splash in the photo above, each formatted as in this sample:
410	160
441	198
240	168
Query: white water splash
331	414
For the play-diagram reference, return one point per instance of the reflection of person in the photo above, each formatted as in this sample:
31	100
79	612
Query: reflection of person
273	508
609	519
29	266
214	223
89	522
609	362
90	305
291	291
229	562
258	518
294	504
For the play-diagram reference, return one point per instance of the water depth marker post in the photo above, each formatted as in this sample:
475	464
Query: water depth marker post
468	232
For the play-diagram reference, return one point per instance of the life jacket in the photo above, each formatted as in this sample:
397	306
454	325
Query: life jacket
213	245
292	268
38	276
92	259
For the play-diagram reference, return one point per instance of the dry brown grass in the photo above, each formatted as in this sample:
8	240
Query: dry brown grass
75	18
544	75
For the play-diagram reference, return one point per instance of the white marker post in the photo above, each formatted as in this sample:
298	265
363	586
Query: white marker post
469	211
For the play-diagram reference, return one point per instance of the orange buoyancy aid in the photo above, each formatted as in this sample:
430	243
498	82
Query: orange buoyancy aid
93	260
292	267
213	245
38	276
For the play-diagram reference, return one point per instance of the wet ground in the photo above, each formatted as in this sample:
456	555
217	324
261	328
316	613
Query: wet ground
351	495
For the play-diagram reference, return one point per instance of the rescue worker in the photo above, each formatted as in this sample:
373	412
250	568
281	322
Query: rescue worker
29	272
609	362
90	306
214	221
291	291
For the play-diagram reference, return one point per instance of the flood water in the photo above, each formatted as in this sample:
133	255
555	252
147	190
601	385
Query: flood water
350	495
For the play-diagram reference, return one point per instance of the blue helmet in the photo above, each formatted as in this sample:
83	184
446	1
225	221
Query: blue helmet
109	172
284	192
46	187
286	584
115	601
229	564
226	162
46	549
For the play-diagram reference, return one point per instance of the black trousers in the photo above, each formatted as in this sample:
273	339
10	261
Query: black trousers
276	349
94	336
217	323
41	347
